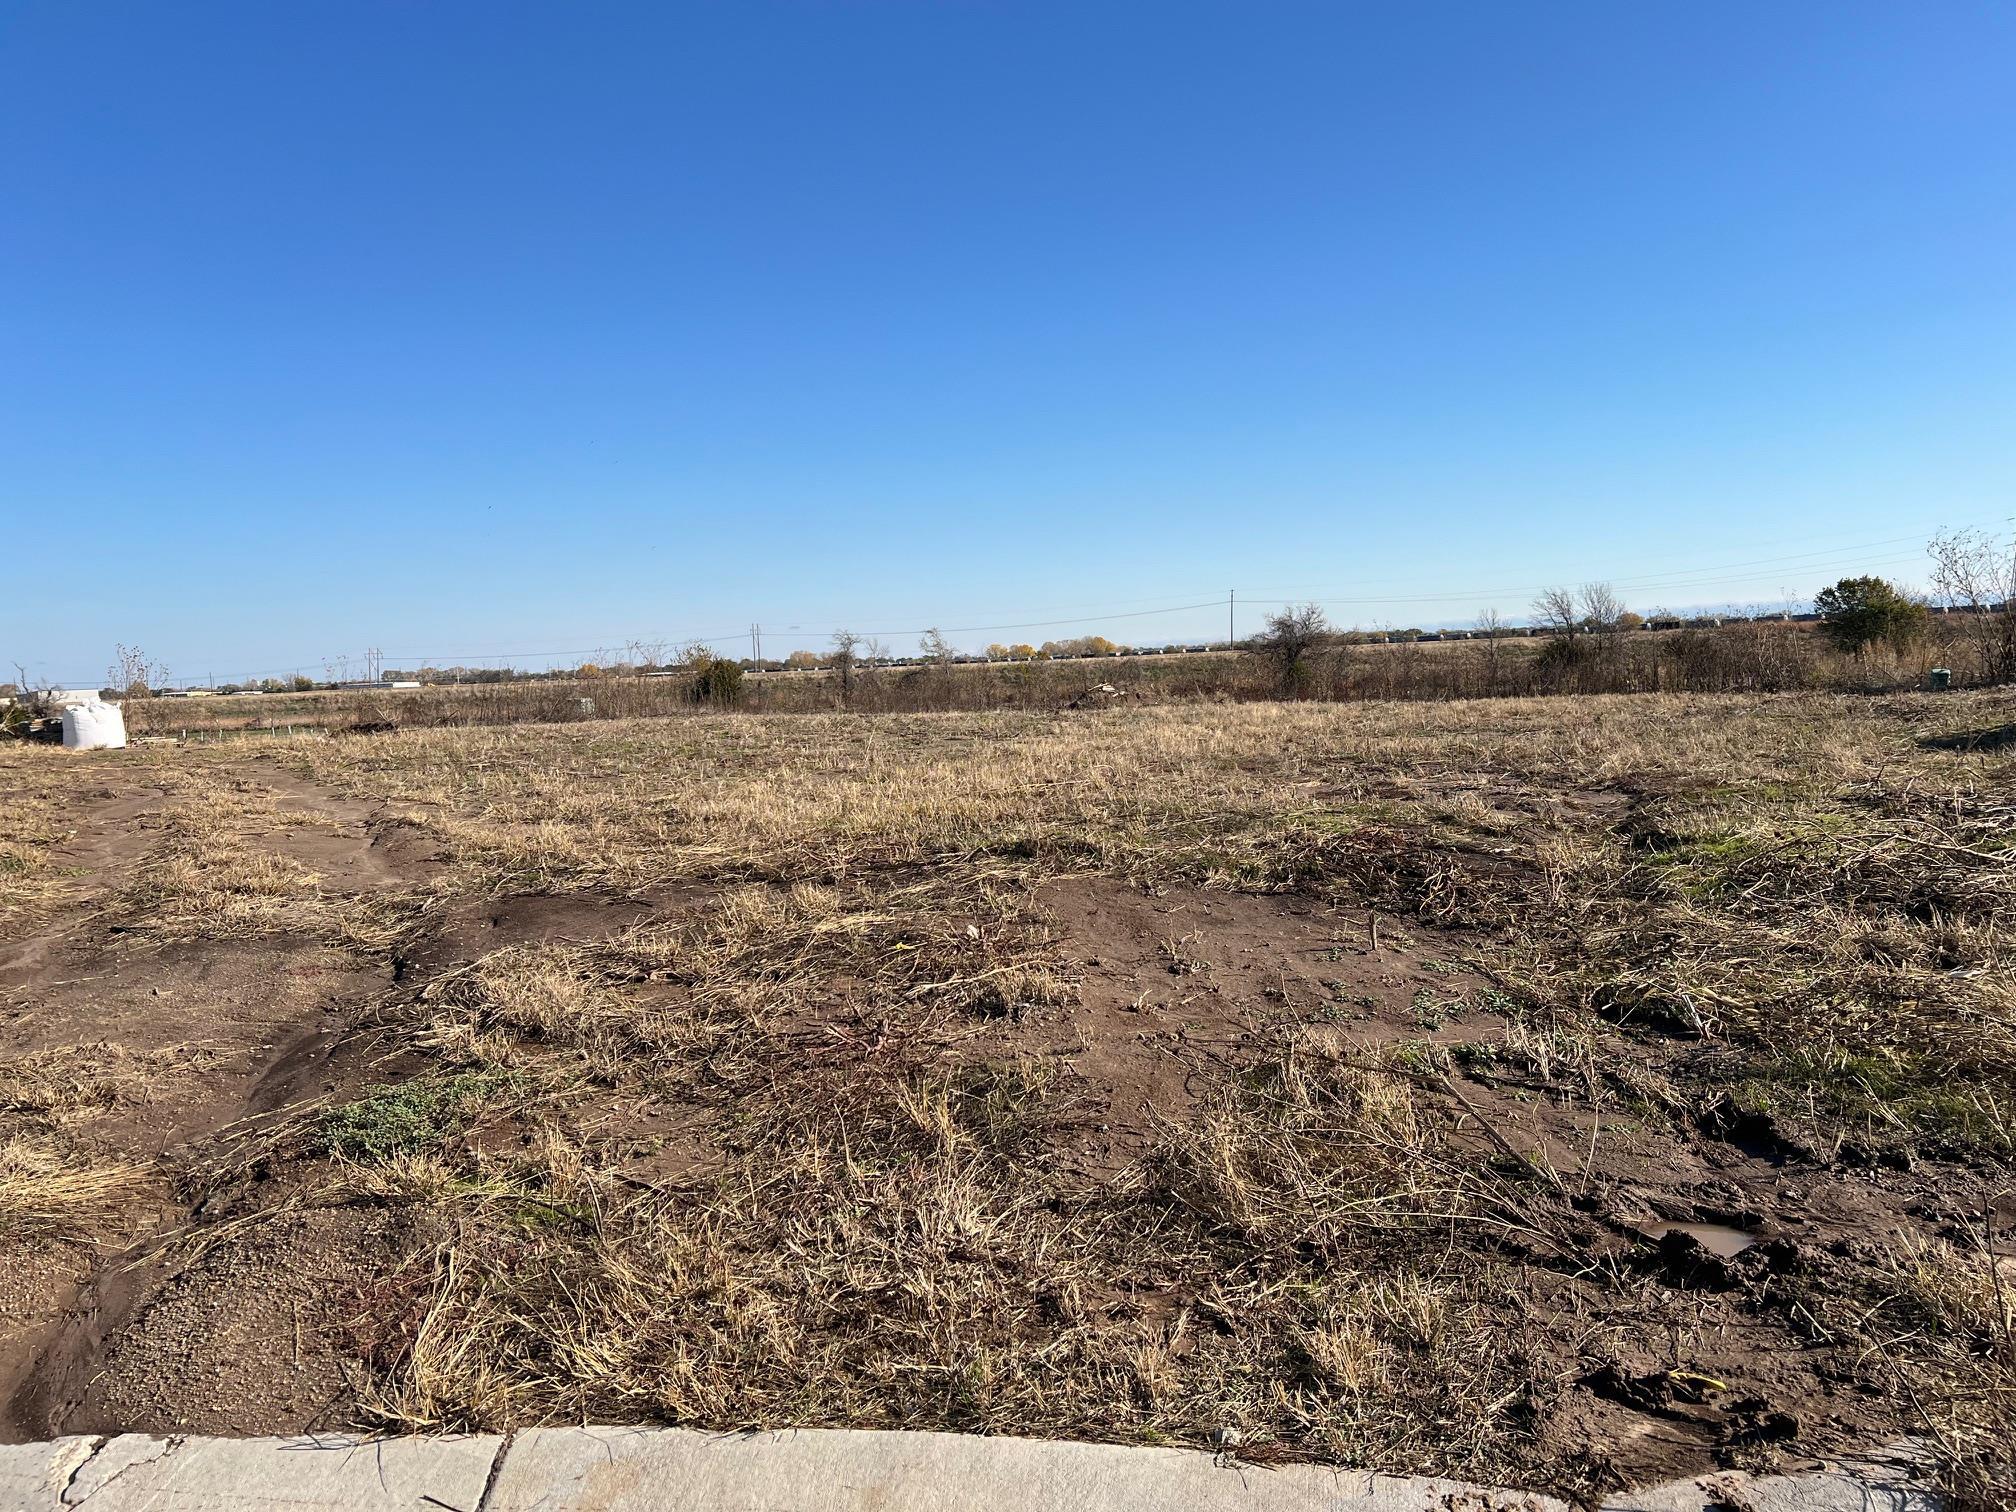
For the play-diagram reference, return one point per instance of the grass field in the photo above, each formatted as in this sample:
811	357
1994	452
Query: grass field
1320	1079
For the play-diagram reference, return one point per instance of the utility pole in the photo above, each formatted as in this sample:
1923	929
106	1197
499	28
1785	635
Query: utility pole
756	645
1231	636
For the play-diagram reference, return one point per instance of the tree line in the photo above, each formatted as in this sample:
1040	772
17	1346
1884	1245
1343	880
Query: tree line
1873	629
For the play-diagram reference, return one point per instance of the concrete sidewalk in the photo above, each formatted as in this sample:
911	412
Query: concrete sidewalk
650	1469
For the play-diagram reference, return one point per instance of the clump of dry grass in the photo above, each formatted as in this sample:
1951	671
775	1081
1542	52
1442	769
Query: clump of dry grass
48	1189
754	957
1940	1317
78	1082
54	1180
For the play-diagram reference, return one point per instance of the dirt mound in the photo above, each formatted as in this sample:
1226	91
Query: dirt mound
243	1340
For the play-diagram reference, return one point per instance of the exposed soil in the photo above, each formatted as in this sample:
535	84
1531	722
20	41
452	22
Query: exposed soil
1174	988
113	835
1181	981
464	932
244	1340
221	1030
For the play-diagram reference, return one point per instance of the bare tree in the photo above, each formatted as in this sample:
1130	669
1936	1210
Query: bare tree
646	655
1289	644
1974	573
1492	627
935	647
1556	610
1602	609
133	674
845	660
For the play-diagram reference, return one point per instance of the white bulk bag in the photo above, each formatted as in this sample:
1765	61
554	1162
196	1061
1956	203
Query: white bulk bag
94	726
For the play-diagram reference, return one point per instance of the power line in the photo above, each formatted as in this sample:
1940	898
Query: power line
1671	580
1645	580
1076	619
1460	595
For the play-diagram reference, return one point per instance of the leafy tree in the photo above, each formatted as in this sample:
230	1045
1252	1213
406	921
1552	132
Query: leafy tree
1859	612
1083	645
717	681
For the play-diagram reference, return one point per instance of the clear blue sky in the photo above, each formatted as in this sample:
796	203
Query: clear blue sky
466	327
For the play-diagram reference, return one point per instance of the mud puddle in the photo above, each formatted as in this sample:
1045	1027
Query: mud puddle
1719	1239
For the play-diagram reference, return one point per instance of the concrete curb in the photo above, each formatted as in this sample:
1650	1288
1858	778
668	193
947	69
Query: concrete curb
654	1469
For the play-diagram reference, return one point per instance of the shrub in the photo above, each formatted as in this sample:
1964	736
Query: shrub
1859	612
1289	646
718	682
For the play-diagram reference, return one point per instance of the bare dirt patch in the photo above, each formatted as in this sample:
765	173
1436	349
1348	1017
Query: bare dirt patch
1178	987
245	1339
126	1053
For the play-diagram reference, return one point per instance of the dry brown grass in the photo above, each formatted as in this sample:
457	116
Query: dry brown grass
1798	873
54	1180
777	1156
50	1190
42	792
208	876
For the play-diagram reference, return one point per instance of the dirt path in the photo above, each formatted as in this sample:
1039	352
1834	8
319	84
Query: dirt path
355	848
113	837
163	1045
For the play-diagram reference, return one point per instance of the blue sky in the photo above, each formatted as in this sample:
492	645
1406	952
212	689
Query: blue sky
471	328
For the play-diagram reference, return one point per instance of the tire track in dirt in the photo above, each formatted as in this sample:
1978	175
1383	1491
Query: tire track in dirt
107	848
246	1025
